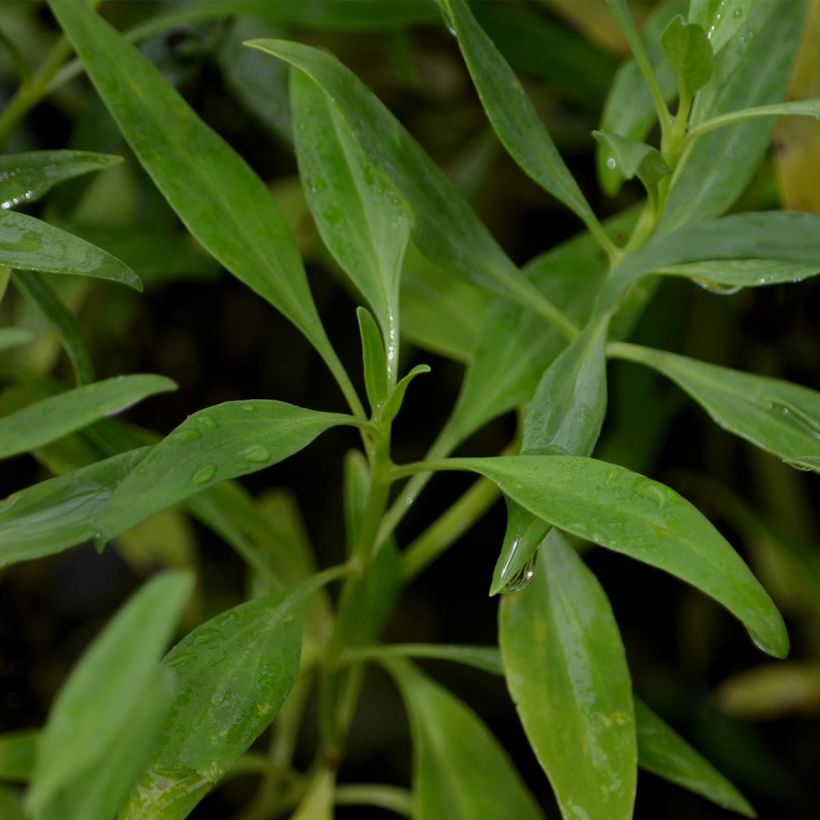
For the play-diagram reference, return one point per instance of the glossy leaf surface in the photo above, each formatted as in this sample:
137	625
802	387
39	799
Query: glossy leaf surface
641	518
223	441
665	753
53	515
359	215
233	672
567	674
220	199
30	244
511	112
775	415
57	416
26	177
460	772
99	698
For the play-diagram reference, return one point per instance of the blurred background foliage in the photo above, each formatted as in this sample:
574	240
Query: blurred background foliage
758	721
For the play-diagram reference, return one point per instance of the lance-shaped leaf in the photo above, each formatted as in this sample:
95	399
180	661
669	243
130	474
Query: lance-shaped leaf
460	771
742	273
220	199
793	108
512	114
53	515
17	751
30	244
689	54
788	237
634	159
775	415
567	674
374	360
233	672
633	515
220	442
665	753
445	228
26	177
565	417
98	701
52	418
753	68
360	216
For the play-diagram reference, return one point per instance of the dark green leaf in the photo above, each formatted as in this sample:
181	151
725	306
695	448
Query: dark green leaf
665	753
567	674
512	113
234	672
460	771
11	806
636	516
218	197
59	513
26	177
29	244
360	217
52	418
40	293
393	404
775	415
17	750
220	442
98	700
689	54
373	359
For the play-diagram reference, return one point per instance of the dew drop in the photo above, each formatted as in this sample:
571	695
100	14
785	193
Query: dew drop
249	408
100	541
204	474
522	577
737	13
610	163
187	434
206	421
256	453
717	287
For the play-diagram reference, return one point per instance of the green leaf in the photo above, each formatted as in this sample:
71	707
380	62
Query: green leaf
234	672
485	658
373	359
17	750
396	398
720	19
752	69
14	337
222	202
360	217
633	159
99	699
665	753
689	54
512	113
460	771
53	515
35	288
794	108
765	235
57	416
629	110
26	177
775	415
729	274
638	517
220	442
27	243
11	806
446	230
567	674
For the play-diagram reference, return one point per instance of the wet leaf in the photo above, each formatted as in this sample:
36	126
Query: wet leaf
689	54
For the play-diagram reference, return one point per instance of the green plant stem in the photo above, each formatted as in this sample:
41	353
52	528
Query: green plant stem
391	798
447	529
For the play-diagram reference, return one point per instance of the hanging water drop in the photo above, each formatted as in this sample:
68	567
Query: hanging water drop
257	453
100	541
716	287
204	474
737	13
521	578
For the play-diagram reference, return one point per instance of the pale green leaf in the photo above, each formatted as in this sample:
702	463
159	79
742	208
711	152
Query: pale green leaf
53	515
566	671
233	672
633	515
778	416
512	114
26	177
460	771
633	159
30	244
720	19
57	416
98	700
665	753
729	274
689	54
794	108
14	337
220	199
220	442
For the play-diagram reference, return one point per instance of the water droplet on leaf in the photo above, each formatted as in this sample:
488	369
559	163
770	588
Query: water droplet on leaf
257	453
522	577
204	474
